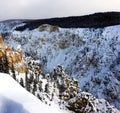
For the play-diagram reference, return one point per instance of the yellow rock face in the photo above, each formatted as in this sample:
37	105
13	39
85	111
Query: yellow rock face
1	53
14	57
1	43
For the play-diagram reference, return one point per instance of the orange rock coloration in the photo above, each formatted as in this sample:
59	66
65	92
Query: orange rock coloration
1	43
14	57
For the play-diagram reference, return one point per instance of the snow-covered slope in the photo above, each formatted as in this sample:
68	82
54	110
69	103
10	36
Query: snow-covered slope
6	27
15	99
88	54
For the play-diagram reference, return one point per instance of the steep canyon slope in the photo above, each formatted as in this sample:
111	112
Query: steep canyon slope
91	55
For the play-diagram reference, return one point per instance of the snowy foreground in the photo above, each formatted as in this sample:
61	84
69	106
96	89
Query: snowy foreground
15	99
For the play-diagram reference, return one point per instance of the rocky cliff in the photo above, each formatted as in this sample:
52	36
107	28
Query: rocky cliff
14	57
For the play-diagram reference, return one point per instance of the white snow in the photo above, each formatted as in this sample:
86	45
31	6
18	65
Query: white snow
104	42
15	99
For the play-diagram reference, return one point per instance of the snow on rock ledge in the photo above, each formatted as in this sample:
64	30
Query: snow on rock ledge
86	103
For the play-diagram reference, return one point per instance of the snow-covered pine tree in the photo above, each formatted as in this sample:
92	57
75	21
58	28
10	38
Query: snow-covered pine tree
47	88
27	84
34	86
13	72
40	86
21	82
6	64
1	65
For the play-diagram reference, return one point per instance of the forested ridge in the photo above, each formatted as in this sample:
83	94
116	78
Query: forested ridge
97	20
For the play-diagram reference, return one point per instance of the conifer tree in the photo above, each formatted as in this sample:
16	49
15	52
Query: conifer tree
21	82
38	96
34	86
28	87
6	64
40	86
1	65
31	78
47	88
26	80
13	72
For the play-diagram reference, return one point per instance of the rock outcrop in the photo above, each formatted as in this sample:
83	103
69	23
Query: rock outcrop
1	43
14	57
49	28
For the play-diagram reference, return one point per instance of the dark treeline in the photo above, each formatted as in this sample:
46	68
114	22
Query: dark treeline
97	20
